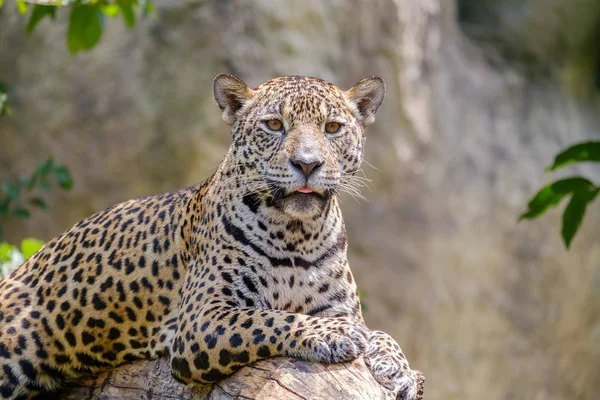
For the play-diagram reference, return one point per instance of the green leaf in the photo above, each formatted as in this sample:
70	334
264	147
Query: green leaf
22	6
128	15
12	192
38	13
43	169
148	8
589	151
553	193
30	246
28	182
1	3
39	203
4	106
21	212
574	213
85	27
110	10
63	176
4	99
5	250
4	207
45	185
4	88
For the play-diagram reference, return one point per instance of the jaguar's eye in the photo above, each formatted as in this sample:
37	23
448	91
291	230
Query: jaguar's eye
332	127
275	125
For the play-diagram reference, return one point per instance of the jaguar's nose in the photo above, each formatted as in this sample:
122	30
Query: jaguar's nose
307	168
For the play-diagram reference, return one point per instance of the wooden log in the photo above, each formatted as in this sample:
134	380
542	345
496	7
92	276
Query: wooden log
274	378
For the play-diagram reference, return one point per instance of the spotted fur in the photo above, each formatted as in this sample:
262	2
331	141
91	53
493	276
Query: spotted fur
243	266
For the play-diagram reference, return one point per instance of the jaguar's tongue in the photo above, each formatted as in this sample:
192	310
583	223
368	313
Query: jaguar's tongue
305	190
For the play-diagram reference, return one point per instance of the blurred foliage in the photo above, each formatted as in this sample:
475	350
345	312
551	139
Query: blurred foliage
86	19
4	99
17	200
86	22
12	257
581	190
363	304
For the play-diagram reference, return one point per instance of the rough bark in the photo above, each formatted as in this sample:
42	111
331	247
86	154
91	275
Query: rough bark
275	378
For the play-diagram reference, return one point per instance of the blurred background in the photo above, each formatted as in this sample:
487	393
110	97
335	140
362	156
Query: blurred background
481	94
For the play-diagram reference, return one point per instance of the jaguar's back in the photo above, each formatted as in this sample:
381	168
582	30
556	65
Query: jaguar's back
102	293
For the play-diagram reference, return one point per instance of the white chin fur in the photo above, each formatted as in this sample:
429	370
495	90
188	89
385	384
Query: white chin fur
302	206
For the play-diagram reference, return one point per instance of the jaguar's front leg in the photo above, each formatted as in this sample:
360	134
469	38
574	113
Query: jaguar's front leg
215	336
221	340
383	355
390	368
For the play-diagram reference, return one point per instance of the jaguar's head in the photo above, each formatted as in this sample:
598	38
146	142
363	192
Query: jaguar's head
297	141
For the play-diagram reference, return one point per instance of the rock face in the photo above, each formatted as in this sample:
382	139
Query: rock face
475	110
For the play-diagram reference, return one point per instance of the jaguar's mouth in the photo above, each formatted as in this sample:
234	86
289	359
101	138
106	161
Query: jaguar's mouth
279	192
299	202
306	191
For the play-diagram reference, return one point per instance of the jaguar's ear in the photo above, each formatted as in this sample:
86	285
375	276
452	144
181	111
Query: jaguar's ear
366	96
231	95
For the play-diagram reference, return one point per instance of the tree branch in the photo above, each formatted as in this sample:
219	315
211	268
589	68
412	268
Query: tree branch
274	378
